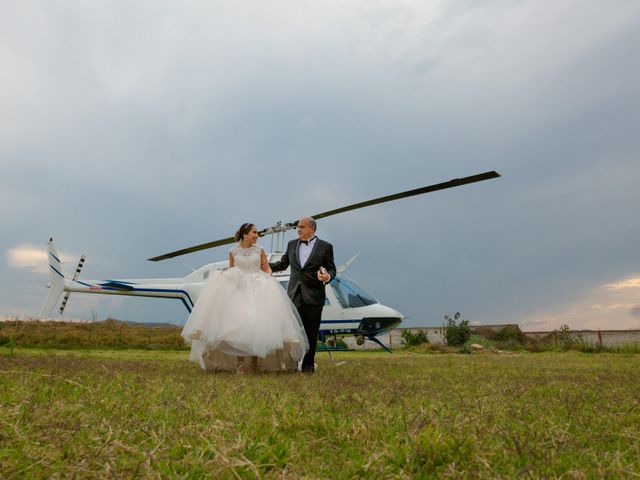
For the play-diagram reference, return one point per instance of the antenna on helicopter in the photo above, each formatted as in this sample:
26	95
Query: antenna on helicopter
280	228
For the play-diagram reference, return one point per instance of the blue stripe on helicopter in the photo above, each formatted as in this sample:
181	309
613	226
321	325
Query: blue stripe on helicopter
55	257
185	304
107	287
56	270
155	296
164	290
116	286
121	286
155	290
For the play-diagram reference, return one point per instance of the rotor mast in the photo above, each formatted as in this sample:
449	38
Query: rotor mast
277	232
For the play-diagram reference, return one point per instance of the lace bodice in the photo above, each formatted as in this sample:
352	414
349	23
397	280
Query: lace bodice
247	259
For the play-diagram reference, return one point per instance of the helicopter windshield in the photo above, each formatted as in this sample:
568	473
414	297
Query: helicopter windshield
350	294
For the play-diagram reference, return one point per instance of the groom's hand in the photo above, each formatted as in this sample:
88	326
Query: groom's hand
323	276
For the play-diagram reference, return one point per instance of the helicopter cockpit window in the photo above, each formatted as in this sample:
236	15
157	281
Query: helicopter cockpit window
350	294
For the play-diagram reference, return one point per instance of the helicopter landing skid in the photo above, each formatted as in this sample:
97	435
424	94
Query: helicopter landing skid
377	340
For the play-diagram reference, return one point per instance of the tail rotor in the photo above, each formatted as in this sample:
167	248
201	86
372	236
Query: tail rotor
75	277
57	282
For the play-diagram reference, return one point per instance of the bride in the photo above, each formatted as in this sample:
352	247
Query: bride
243	319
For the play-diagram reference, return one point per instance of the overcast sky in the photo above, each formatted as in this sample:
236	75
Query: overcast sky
133	128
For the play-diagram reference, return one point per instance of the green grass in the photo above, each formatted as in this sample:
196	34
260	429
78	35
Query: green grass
135	413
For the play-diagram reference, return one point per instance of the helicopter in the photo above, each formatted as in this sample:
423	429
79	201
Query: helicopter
349	310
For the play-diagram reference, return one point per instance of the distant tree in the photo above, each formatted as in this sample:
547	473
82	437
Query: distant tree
510	334
456	334
565	339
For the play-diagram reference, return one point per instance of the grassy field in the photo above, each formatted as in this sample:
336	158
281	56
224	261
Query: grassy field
152	414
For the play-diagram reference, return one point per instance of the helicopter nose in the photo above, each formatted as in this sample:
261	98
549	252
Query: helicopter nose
369	325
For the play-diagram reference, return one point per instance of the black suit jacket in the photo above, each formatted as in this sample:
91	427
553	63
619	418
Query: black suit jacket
306	278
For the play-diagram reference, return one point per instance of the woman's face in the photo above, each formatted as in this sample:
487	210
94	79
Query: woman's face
252	236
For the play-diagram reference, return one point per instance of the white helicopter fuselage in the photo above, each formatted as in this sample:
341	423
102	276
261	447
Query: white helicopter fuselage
348	309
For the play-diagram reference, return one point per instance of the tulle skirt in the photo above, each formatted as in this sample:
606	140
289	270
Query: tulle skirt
245	314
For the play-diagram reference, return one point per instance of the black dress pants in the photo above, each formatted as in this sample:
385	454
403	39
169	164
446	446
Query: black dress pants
311	316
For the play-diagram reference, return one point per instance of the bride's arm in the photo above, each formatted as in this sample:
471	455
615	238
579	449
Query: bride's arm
231	262
264	263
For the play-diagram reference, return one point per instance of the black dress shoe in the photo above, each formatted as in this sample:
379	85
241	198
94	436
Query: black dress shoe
308	370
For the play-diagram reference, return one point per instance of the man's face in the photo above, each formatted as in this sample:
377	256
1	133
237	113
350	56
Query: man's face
305	232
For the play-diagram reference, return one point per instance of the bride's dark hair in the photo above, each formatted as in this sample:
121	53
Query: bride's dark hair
243	230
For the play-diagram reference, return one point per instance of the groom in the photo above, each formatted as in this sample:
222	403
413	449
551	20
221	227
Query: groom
311	262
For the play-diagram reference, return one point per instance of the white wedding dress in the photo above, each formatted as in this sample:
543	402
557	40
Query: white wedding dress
245	312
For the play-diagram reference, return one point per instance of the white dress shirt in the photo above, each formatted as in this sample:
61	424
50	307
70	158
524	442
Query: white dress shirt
305	250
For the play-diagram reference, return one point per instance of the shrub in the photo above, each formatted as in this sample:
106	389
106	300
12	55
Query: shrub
510	333
465	349
413	339
564	337
10	344
456	334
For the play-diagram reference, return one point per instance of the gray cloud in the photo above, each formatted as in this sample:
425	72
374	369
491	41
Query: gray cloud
133	129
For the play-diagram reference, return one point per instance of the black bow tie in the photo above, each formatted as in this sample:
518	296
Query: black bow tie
306	242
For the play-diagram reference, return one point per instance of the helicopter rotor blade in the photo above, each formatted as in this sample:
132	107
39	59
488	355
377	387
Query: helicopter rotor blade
202	246
193	249
456	182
